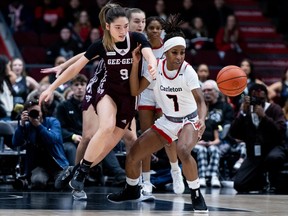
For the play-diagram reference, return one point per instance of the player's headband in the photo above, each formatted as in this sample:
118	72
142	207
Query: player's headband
175	41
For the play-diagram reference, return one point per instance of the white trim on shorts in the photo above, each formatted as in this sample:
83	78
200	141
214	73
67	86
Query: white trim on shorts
147	100
170	130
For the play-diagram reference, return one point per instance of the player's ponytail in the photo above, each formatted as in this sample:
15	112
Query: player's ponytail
174	35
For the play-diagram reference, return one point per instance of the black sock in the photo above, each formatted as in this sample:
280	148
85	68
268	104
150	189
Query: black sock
85	166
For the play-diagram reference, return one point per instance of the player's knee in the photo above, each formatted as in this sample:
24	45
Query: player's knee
183	153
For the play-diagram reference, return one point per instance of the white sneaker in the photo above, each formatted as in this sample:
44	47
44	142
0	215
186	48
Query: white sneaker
202	182
178	184
237	165
147	188
215	182
79	195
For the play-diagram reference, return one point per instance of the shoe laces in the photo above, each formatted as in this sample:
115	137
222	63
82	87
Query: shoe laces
80	175
177	177
146	183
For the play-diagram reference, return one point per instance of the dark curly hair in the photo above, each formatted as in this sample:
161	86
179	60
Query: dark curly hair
172	27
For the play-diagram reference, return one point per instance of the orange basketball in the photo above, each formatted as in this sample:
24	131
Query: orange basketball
231	80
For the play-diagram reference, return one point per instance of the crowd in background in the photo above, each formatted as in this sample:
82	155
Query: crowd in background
214	28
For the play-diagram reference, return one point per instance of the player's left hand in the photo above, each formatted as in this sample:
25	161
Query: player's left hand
201	128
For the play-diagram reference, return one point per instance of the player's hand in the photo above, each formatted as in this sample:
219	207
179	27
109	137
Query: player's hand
152	70
57	70
136	54
200	125
45	96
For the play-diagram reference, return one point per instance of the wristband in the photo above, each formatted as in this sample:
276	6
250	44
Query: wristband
73	137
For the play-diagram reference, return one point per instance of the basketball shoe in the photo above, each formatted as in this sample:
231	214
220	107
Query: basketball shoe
198	201
77	182
63	178
129	193
178	184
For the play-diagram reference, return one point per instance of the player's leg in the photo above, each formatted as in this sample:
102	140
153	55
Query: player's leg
186	142
149	142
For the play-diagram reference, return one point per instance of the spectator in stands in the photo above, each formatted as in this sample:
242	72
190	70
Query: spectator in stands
66	46
7	79
279	90
228	38
94	11
51	104
68	93
160	9
208	155
203	73
94	35
41	137
198	35
49	16
248	67
261	125
72	11
19	16
24	84
69	113
216	16
221	112
218	109
188	12
82	26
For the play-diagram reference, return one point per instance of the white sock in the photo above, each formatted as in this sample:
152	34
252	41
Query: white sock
174	166
132	182
193	184
146	176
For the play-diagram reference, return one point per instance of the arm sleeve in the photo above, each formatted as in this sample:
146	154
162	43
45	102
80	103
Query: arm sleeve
94	50
140	38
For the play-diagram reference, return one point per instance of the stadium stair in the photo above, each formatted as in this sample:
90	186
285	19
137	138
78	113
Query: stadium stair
266	48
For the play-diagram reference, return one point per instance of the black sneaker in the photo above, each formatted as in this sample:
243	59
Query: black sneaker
198	201
129	193
77	182
63	178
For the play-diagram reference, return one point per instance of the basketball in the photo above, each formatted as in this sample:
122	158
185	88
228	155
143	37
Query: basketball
231	80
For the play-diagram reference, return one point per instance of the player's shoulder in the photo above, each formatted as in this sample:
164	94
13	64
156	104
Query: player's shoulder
187	67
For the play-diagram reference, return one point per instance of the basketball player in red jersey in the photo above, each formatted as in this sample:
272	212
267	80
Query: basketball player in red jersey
178	93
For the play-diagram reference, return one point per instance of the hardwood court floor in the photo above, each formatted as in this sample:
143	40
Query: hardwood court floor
222	201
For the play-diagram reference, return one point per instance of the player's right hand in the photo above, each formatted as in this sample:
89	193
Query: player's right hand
57	70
